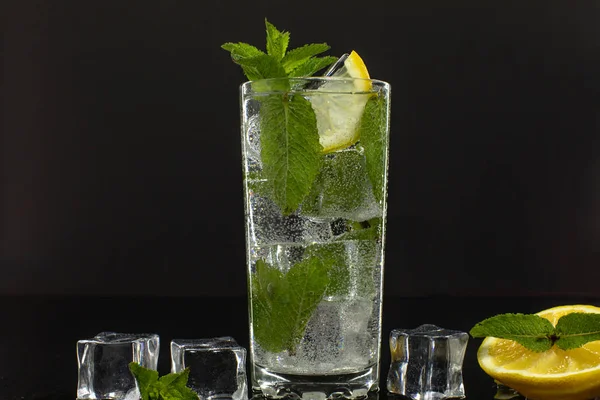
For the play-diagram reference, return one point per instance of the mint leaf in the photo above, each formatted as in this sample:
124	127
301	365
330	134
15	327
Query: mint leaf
255	63
262	67
529	330
173	387
269	288
168	387
307	282
146	380
352	267
289	148
240	51
277	42
576	329
275	63
289	136
177	379
373	138
299	62
334	256
298	56
312	66
283	304
341	187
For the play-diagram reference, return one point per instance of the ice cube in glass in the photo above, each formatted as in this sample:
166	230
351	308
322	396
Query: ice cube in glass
103	363
217	366
426	363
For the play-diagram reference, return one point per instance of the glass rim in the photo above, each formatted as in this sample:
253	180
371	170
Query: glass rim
375	83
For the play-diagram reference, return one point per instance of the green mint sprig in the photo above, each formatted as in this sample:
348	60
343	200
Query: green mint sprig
538	334
290	148
169	387
277	62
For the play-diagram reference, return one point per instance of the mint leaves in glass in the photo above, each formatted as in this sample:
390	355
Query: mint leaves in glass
314	154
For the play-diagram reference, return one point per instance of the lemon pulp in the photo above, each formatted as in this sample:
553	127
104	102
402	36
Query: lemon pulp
550	375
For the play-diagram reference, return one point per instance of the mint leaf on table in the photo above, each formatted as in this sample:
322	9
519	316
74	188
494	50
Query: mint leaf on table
289	148
373	138
576	329
283	304
169	387
146	379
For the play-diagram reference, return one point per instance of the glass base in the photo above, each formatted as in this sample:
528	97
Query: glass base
274	385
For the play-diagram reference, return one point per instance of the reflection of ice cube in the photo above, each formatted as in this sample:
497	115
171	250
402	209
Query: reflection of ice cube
269	226
103	363
426	362
217	366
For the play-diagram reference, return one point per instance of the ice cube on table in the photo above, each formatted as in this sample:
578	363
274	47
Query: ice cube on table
426	363
103	364
217	366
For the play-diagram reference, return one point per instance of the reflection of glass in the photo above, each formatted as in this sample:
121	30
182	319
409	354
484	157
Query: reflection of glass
315	172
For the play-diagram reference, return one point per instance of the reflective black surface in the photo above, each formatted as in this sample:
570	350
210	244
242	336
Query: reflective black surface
39	334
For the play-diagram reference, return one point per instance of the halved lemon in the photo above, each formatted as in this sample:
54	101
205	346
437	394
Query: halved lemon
338	113
554	374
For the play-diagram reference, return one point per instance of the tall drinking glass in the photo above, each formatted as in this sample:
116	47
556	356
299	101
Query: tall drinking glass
315	160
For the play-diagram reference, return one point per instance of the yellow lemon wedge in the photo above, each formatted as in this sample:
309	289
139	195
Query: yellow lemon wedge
338	113
554	374
354	67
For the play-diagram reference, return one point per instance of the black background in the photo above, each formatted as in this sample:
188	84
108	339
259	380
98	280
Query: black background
121	155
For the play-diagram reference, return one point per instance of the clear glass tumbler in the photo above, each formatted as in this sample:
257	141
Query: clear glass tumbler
315	161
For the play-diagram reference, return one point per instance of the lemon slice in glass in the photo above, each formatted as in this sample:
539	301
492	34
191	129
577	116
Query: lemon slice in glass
554	374
338	114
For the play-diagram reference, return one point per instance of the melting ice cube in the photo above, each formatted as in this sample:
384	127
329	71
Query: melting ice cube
217	366
426	363
103	364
